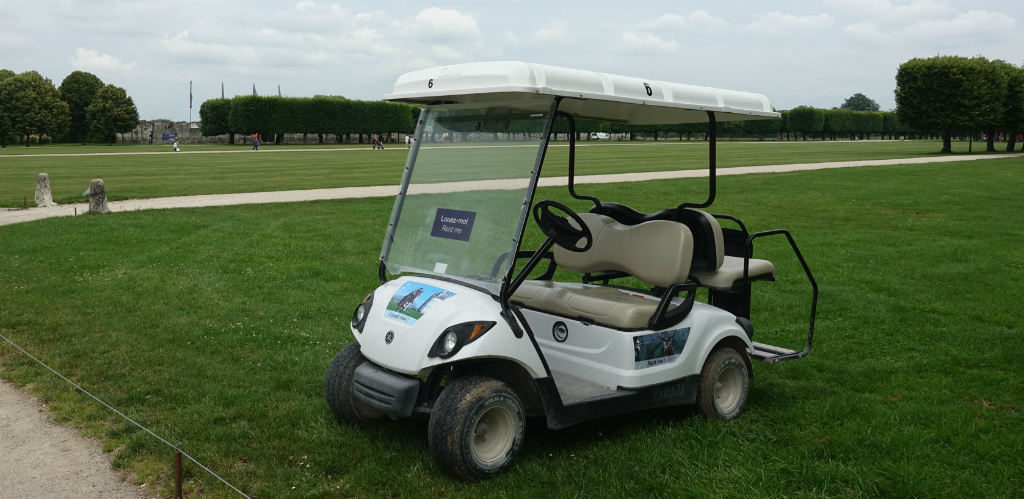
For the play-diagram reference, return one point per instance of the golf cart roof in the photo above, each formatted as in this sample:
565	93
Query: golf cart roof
587	94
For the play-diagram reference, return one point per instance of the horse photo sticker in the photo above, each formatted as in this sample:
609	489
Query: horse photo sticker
413	300
658	348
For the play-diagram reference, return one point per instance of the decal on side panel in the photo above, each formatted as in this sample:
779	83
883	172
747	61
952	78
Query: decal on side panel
414	300
654	349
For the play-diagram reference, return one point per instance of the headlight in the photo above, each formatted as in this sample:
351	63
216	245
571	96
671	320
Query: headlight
362	311
455	337
449	342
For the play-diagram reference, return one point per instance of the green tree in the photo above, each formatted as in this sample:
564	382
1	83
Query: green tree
805	119
112	111
5	127
1012	120
79	89
214	117
948	93
891	125
252	114
762	128
859	102
31	105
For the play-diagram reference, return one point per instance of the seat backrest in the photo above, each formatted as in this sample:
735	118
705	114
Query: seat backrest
708	240
658	252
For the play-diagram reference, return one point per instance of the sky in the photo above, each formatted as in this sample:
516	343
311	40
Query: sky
815	53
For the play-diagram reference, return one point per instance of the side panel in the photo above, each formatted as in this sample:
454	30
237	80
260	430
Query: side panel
633	359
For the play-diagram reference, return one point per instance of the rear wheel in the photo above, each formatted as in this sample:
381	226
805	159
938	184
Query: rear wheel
476	428
724	381
338	387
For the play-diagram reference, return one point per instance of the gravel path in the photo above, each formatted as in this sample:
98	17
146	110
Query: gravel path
41	459
13	216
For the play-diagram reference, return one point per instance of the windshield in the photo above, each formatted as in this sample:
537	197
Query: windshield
463	203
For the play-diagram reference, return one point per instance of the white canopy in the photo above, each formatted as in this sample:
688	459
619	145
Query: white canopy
587	94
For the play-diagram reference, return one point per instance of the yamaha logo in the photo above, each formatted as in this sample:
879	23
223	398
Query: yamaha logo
388	338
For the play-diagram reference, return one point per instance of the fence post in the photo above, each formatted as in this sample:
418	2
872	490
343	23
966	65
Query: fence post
177	473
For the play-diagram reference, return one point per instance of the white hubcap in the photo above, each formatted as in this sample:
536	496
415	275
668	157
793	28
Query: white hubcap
728	389
493	434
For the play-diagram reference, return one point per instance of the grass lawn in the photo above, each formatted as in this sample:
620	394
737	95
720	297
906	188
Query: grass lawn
137	172
214	327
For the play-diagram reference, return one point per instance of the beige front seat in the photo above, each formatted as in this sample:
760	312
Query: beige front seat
657	252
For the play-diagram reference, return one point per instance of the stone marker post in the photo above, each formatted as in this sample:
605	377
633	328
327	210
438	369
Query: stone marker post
43	196
98	197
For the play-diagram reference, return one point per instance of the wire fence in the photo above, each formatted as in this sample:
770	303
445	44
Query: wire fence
176	448
16	202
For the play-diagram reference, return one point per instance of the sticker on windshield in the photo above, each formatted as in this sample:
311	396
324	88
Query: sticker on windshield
453	224
654	349
413	300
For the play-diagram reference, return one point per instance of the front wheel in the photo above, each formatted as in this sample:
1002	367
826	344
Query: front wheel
476	428
338	387
724	381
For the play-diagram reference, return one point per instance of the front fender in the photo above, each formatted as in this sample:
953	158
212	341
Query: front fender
410	313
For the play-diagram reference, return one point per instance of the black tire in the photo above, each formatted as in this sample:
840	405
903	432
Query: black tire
338	388
724	381
476	428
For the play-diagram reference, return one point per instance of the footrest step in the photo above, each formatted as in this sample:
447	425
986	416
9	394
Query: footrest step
771	353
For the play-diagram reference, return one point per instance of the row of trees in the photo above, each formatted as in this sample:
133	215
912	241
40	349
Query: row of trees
954	94
30	105
320	115
802	121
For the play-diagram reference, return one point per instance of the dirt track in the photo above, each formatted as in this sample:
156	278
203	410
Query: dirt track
39	458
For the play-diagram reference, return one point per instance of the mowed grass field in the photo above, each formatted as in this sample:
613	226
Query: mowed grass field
214	327
133	172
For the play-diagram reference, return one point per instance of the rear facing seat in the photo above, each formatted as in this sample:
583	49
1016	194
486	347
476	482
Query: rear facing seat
710	267
727	271
658	252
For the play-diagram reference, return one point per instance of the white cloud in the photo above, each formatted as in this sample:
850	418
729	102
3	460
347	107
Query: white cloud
781	23
183	48
887	10
648	42
698	19
445	24
552	32
447	54
91	60
865	31
975	22
972	26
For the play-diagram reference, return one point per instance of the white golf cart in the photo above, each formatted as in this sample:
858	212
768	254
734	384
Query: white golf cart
473	330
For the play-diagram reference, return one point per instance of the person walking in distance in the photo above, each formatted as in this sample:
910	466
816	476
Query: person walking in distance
255	142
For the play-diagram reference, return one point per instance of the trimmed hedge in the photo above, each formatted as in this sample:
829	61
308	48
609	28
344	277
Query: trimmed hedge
247	114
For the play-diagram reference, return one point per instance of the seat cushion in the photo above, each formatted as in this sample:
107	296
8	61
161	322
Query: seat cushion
607	306
731	273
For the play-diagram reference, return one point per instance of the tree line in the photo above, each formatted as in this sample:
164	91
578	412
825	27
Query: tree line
797	123
83	108
272	117
953	94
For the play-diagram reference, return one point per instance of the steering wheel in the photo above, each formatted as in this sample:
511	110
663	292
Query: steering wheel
559	229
